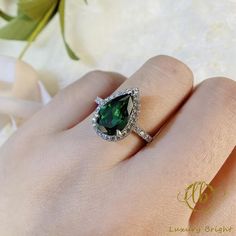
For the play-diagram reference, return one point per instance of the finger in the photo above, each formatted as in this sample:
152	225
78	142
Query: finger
193	147
220	209
164	83
75	102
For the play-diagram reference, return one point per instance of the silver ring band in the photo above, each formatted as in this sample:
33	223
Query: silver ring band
143	134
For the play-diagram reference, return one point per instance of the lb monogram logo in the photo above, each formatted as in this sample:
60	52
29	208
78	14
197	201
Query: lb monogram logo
197	192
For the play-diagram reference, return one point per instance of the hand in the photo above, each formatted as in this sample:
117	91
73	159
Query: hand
58	177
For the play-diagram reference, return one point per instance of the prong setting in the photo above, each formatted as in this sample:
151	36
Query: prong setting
99	100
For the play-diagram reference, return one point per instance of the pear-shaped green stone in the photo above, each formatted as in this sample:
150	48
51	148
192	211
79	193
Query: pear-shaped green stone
115	114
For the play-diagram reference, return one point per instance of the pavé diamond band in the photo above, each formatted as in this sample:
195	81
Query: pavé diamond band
116	116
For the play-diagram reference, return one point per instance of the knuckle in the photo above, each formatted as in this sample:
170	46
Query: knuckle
94	74
222	90
68	94
172	68
108	79
217	81
220	86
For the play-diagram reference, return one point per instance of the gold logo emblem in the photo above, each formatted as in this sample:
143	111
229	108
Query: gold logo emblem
197	192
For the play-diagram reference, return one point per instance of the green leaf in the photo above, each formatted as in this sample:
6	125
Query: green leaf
20	28
40	26
62	22
35	9
5	16
70	52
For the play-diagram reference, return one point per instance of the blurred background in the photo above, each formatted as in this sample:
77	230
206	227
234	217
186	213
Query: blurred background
121	35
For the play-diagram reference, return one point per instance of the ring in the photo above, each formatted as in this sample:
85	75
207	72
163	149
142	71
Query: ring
116	116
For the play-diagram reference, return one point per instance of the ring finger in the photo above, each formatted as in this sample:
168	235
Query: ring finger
164	84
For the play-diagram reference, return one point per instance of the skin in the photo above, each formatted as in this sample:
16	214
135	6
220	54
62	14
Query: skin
58	177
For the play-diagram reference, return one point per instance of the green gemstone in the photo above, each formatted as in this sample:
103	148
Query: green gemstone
115	114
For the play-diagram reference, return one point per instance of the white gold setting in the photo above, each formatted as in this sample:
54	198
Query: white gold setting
132	122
